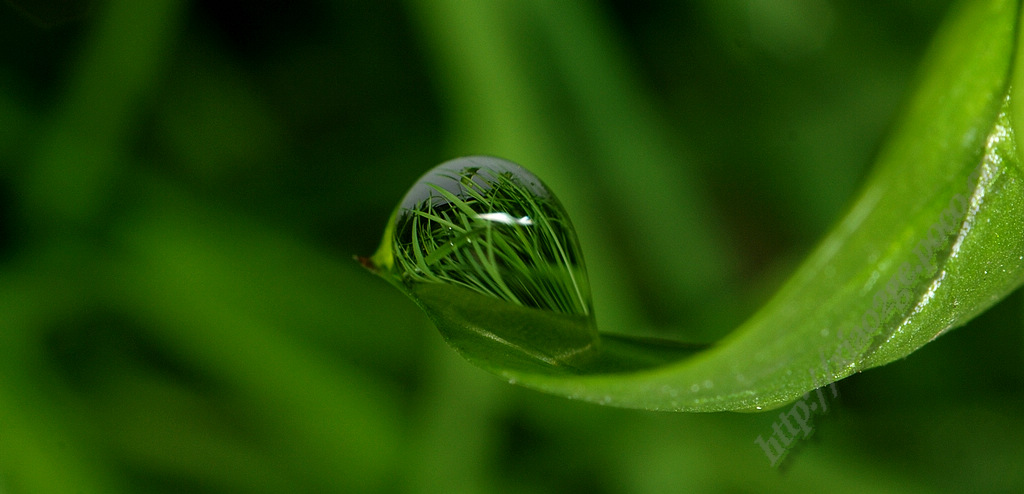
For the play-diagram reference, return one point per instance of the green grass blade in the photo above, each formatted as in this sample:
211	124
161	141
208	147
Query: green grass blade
935	238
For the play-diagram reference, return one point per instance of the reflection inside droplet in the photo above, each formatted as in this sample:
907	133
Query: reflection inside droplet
483	244
492	227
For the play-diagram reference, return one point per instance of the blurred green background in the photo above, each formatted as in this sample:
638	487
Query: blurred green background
183	185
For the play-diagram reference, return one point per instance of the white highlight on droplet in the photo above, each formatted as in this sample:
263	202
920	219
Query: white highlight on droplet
505	218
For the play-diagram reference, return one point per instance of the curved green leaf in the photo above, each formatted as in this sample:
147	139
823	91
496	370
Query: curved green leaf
934	238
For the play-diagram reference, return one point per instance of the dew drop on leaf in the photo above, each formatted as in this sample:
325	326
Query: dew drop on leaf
481	243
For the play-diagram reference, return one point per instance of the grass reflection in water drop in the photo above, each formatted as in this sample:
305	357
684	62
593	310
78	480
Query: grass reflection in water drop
492	227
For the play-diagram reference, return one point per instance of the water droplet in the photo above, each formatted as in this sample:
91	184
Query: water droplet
484	246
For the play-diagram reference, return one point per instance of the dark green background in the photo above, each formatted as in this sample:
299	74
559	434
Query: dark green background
183	184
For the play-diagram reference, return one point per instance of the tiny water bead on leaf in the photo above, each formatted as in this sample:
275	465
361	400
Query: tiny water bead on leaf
482	243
